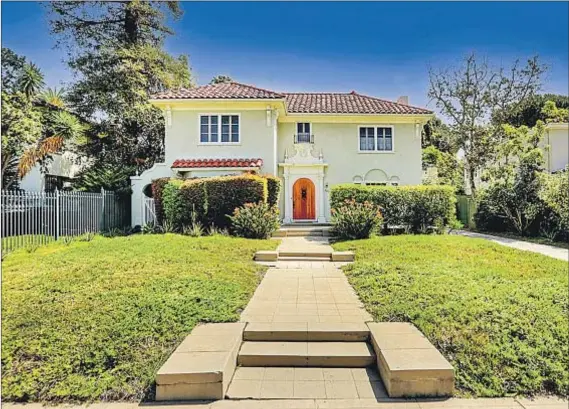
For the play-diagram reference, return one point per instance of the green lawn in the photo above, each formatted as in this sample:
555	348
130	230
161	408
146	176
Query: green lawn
498	314
95	320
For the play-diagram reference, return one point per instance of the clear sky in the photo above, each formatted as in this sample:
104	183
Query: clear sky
380	49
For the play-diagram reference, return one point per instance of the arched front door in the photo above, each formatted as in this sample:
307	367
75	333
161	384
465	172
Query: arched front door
303	202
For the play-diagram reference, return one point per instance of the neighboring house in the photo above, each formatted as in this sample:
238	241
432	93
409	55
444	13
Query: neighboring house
311	140
555	147
557	139
58	173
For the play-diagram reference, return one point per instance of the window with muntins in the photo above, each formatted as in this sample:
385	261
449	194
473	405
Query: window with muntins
219	128
303	132
376	138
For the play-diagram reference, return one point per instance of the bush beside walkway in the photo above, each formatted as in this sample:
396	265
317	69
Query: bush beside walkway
95	320
498	314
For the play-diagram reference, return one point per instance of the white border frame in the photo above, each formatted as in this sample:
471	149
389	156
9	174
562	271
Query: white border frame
375	138
219	115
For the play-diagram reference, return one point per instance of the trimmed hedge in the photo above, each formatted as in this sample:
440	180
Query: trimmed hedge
157	187
274	190
413	207
213	199
225	194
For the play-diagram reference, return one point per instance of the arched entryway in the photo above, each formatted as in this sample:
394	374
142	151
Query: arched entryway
303	200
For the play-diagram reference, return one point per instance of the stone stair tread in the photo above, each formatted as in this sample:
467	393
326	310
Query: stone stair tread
306	331
325	354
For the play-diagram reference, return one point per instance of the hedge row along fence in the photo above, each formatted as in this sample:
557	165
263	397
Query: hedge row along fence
212	199
413	207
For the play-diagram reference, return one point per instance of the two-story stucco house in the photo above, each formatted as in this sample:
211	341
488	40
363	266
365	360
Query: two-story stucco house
311	140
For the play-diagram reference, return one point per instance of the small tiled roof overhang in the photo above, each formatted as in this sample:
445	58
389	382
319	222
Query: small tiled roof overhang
217	163
228	90
351	103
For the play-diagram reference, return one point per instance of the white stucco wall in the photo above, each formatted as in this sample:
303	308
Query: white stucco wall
339	146
256	138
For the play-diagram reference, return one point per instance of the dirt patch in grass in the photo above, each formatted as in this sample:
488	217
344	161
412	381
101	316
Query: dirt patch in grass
499	315
95	320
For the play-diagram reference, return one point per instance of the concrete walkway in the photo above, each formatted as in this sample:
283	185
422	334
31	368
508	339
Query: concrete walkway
305	292
551	251
454	403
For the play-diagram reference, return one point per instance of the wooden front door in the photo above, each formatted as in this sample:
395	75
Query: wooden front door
303	203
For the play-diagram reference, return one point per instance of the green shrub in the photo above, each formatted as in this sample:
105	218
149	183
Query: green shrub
225	194
354	220
555	195
157	187
255	220
412	207
212	199
173	207
274	189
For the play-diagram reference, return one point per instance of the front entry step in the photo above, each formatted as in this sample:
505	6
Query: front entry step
314	354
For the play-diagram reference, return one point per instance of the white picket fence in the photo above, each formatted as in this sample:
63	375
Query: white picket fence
34	218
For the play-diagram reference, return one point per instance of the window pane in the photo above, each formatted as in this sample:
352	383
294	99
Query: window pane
387	132
234	119
214	138
380	144
388	144
225	119
214	119
299	128
214	131
203	137
204	120
225	129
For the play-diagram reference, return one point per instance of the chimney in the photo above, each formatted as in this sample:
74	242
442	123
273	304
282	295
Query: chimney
403	100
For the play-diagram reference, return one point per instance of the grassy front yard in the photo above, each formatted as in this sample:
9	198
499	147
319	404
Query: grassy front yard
498	314
95	320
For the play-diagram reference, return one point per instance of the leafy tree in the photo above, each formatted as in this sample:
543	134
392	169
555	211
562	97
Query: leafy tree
221	79
21	129
436	133
31	130
554	114
532	110
449	169
112	177
475	93
116	51
12	66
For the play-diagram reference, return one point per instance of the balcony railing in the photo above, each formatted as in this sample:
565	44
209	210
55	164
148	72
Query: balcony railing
303	138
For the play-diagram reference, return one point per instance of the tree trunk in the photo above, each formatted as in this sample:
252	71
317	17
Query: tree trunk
472	181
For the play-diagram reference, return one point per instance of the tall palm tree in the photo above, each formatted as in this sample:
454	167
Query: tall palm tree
31	80
62	127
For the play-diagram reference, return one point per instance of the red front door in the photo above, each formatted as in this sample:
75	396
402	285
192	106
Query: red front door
303	203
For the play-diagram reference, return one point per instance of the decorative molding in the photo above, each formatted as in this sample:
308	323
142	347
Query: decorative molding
304	154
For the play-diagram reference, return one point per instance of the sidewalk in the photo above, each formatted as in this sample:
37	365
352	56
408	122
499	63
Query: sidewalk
551	251
453	403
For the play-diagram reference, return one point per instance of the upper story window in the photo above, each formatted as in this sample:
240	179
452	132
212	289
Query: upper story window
376	139
303	133
219	129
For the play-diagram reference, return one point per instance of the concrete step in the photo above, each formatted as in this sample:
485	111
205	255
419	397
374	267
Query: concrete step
313	354
303	331
323	259
305	253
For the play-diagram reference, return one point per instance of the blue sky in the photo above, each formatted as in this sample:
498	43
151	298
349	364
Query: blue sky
381	49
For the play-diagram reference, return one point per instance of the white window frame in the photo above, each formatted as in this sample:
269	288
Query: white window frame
376	151
304	133
218	115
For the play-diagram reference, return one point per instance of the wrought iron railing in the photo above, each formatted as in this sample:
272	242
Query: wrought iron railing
303	138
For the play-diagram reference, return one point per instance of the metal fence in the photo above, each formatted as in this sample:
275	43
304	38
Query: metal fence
466	207
35	218
148	212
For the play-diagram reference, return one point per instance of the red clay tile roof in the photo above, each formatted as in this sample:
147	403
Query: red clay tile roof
352	103
228	90
298	103
218	163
